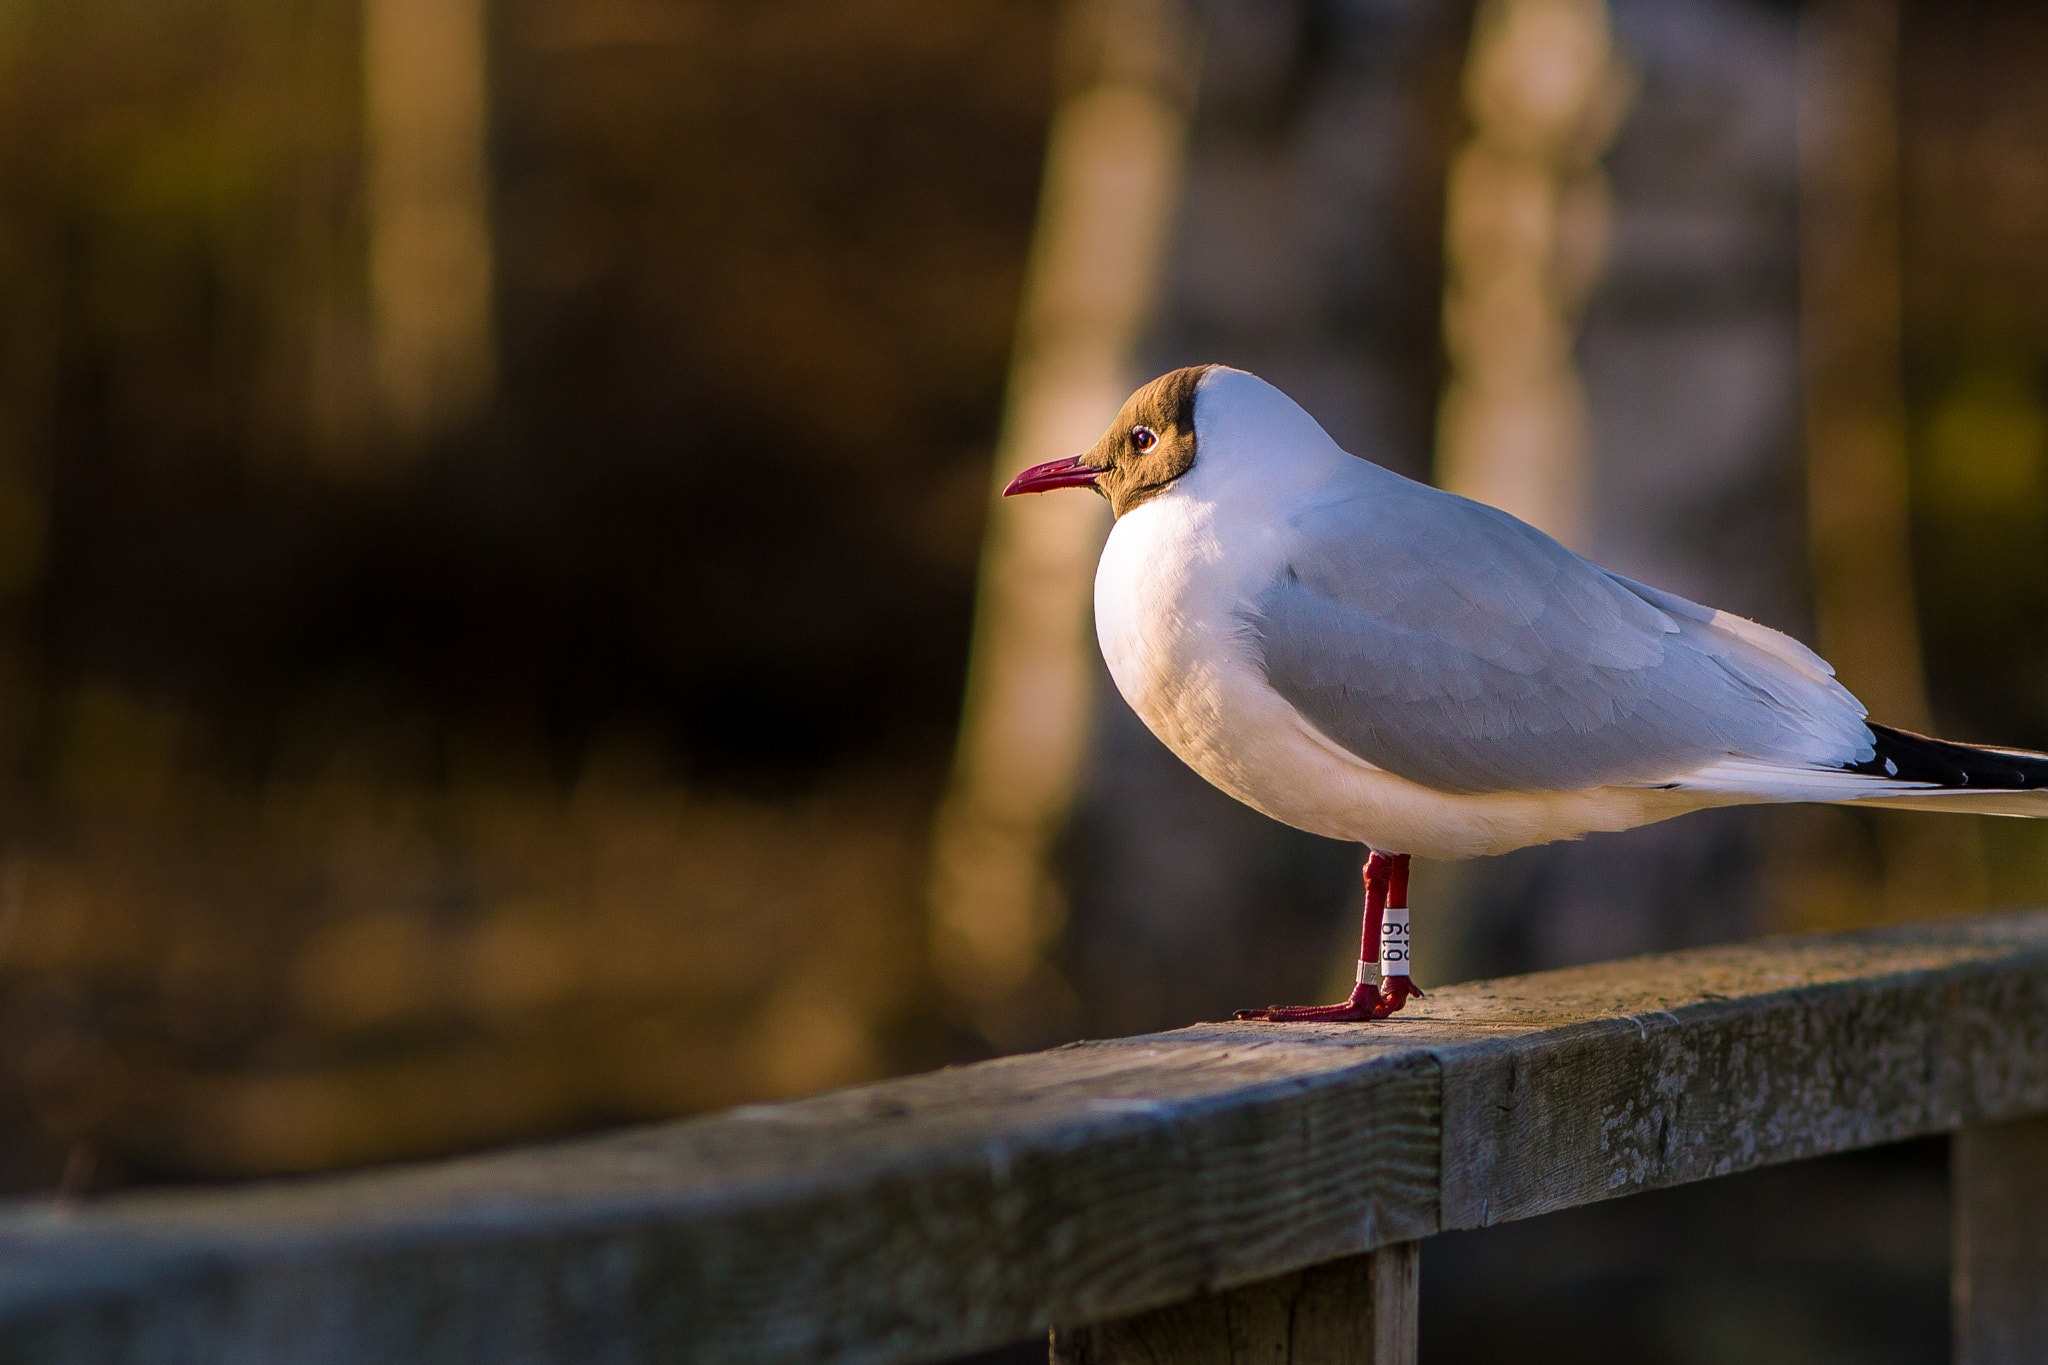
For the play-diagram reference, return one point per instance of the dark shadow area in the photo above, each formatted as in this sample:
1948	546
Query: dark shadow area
375	788
1843	1259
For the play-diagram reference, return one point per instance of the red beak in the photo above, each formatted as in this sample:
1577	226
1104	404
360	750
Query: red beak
1043	478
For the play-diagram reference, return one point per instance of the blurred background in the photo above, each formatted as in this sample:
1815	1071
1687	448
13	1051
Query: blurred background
505	628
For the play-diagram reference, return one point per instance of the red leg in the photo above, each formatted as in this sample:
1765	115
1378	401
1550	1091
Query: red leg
1386	883
1396	988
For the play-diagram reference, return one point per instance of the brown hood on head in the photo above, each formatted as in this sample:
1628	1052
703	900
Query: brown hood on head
1166	408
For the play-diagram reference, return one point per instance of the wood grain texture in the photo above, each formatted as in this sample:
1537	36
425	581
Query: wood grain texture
1357	1311
935	1215
2001	1243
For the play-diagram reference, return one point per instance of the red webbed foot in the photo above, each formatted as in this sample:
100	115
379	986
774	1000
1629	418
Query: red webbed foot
1395	992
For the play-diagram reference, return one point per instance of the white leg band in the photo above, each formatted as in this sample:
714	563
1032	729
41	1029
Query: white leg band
1393	943
1368	973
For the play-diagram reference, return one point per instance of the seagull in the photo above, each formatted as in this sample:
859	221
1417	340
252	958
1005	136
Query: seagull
1372	659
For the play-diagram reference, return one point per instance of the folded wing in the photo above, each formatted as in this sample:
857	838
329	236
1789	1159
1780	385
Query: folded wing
1445	641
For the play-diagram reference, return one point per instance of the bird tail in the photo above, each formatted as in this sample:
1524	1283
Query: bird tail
1948	776
1905	772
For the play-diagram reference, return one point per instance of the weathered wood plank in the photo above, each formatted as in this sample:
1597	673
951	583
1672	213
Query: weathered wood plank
1706	1063
2001	1243
904	1221
939	1214
1357	1311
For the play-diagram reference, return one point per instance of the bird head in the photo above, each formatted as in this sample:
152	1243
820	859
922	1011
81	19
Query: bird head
1149	445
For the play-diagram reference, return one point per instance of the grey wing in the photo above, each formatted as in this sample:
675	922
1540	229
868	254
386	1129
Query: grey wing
1445	641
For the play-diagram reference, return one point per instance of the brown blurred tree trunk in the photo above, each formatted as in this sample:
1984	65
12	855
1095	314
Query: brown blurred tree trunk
1851	329
1111	182
1851	336
425	103
1525	230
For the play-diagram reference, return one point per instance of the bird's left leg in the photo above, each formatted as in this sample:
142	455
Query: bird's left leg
1396	987
1378	992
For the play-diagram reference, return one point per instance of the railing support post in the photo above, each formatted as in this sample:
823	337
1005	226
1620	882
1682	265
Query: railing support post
1357	1311
2001	1242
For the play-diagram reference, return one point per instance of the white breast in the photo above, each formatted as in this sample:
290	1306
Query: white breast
1173	610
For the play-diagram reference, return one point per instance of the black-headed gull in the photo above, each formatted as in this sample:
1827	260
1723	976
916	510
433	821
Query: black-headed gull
1369	658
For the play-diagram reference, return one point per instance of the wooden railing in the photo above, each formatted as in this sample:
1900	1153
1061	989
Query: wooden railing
1221	1193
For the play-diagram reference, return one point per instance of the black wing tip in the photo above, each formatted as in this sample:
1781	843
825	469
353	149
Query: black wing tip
1906	757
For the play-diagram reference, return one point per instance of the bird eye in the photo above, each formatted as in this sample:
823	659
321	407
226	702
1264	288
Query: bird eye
1143	439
